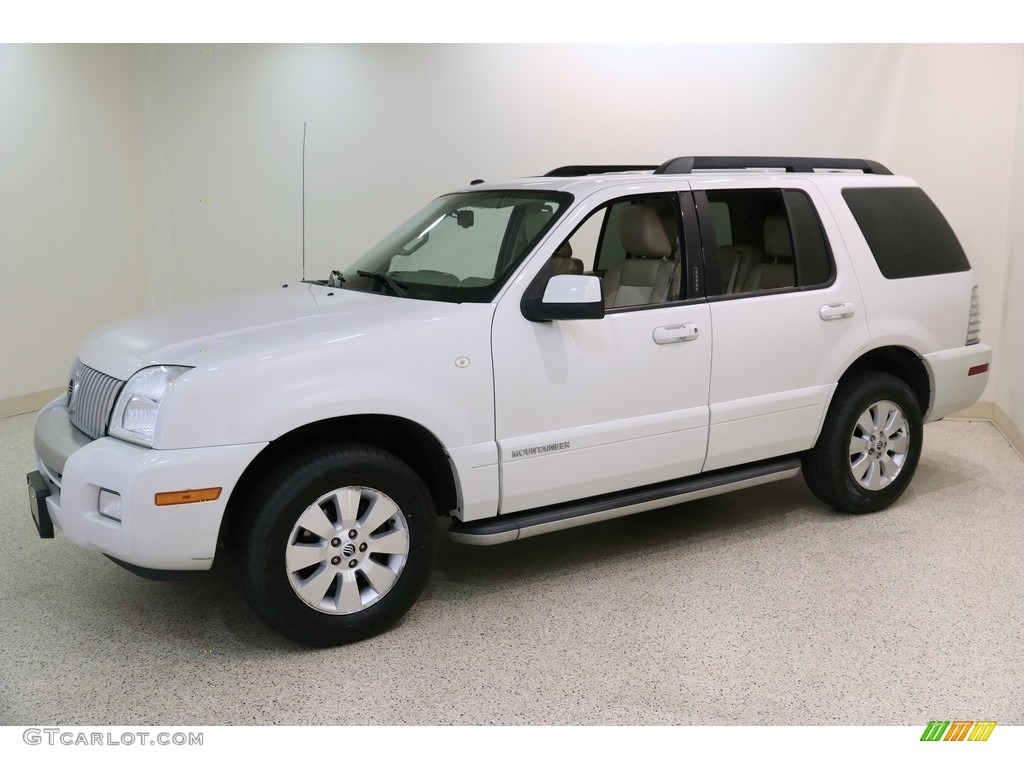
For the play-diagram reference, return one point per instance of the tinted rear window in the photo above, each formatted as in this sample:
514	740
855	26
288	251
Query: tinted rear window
908	235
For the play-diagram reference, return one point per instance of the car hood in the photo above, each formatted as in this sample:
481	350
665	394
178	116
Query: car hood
205	334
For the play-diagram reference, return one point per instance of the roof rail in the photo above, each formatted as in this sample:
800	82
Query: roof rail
790	164
587	170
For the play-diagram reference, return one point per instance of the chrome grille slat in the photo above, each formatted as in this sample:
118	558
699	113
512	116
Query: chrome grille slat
92	399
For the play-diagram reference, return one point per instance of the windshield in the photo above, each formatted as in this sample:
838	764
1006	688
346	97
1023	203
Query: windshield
459	248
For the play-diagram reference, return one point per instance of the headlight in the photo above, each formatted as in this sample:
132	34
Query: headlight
134	416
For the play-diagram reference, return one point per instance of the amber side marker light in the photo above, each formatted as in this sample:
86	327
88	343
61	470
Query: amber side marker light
187	497
976	369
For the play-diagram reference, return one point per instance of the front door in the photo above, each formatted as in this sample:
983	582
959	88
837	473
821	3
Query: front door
588	407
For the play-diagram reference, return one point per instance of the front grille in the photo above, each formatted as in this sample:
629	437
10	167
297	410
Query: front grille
91	397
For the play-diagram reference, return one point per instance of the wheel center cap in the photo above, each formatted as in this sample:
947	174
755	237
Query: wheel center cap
349	549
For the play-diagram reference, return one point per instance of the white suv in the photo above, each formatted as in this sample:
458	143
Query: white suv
521	357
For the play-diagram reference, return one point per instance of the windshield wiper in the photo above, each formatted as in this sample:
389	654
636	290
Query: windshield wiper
382	278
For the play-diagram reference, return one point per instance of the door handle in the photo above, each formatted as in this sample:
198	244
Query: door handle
670	334
836	311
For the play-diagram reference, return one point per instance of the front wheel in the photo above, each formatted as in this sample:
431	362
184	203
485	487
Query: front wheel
340	544
869	446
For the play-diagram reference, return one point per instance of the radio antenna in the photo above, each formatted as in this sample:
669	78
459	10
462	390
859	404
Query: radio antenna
304	201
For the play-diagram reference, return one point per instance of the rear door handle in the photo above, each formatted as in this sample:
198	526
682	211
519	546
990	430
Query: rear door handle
670	334
836	311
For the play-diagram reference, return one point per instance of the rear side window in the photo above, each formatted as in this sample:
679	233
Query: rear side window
766	239
906	232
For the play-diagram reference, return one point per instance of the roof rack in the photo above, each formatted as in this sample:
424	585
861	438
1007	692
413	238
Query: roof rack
790	164
588	170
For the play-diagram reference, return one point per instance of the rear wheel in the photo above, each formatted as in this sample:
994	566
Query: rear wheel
869	446
340	545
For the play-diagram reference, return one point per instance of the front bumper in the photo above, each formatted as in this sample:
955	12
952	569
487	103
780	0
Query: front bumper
182	537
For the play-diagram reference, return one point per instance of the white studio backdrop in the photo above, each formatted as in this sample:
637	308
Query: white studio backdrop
137	176
1009	365
73	220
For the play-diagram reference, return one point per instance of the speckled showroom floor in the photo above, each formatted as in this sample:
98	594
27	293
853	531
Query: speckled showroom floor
762	607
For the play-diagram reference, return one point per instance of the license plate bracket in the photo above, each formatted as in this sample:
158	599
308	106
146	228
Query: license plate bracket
38	490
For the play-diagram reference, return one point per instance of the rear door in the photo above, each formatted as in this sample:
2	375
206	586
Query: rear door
786	311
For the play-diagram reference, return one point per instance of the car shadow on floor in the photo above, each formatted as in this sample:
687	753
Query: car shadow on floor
212	611
665	532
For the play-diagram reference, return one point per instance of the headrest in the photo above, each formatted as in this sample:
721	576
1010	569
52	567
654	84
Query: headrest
566	265
776	236
641	232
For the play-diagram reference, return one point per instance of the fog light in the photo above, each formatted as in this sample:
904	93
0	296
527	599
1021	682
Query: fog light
110	505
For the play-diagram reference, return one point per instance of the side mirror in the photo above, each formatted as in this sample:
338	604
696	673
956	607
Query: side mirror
567	297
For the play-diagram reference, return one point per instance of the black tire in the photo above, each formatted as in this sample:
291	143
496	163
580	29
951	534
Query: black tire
857	469
369	556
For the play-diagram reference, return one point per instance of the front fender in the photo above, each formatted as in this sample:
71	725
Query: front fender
435	371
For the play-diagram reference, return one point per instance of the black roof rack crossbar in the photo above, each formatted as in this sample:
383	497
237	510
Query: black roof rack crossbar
791	164
587	170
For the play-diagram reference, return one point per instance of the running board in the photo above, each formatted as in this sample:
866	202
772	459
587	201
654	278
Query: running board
521	525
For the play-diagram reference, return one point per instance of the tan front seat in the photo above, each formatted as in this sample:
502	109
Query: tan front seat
647	277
